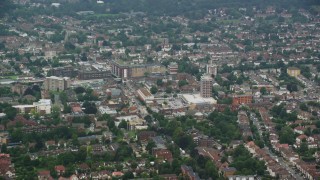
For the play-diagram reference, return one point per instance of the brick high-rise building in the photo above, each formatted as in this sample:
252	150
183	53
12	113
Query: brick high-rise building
206	86
212	69
67	71
173	68
125	70
54	83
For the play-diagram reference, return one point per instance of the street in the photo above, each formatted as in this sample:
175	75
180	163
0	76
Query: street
280	160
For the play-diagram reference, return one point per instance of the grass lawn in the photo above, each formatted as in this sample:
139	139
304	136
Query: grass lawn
13	77
132	134
9	77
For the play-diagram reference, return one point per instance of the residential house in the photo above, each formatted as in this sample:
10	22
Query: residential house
145	136
6	168
188	173
60	170
82	168
228	171
164	154
44	175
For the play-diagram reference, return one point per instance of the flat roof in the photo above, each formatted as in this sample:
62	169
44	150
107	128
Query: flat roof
293	68
197	99
145	92
24	106
127	64
58	78
128	118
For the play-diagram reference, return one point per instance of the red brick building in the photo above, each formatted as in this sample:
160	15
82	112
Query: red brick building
6	168
188	173
242	99
164	154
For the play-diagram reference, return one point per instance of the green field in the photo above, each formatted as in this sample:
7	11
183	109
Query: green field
13	77
9	77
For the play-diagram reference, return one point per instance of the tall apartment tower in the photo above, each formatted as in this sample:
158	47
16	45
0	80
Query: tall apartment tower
173	68
54	83
212	69
206	86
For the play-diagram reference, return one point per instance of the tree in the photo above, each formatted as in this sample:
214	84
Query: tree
124	151
123	124
245	164
79	90
90	108
104	117
159	82
185	141
75	140
318	124
153	90
303	149
128	175
111	124
16	135
69	46
84	57
263	91
107	54
292	87
286	135
169	90
148	118
66	158
10	112
182	83
211	170
63	97
55	112
4	148
66	108
151	144
303	107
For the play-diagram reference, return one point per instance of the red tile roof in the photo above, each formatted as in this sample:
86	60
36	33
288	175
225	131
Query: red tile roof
60	168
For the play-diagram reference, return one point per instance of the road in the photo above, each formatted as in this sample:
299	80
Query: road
130	91
285	164
281	161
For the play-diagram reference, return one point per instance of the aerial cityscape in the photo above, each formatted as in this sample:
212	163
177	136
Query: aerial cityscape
160	89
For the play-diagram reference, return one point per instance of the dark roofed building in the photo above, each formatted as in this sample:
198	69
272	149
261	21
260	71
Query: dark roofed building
146	135
21	120
169	176
188	173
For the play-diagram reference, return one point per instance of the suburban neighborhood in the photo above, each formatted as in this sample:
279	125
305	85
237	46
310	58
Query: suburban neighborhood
104	90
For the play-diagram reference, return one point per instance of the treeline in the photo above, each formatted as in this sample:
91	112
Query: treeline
188	7
5	6
194	9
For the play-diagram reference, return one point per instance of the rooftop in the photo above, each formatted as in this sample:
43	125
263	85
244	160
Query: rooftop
58	78
197	99
145	92
293	68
